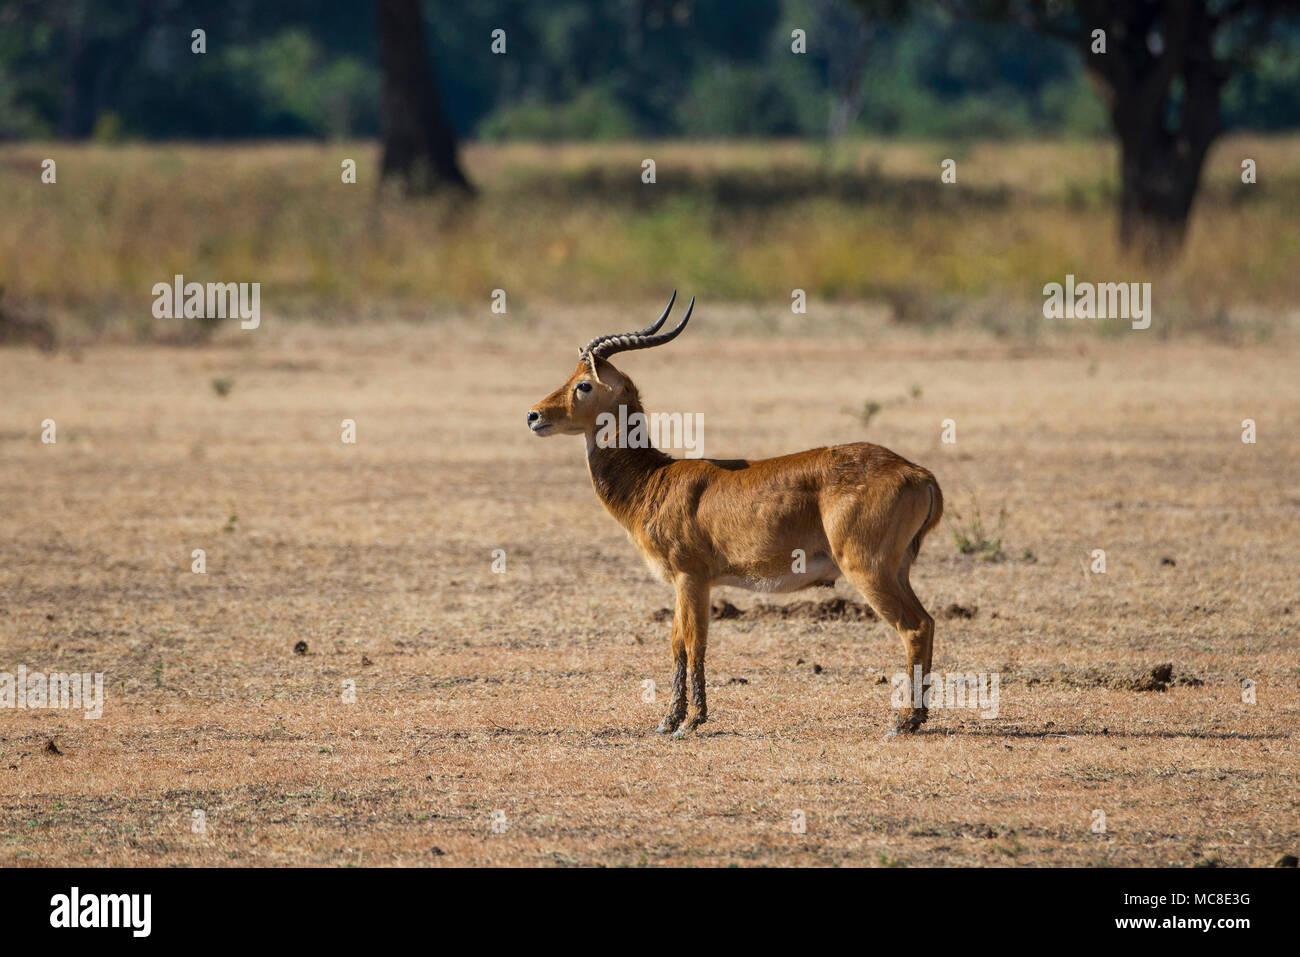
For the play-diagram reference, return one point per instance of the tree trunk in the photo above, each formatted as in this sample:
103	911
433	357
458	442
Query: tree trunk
97	55
1159	177
419	143
75	120
1164	86
848	37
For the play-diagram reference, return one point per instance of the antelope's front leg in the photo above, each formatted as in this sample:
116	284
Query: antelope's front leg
691	621
677	707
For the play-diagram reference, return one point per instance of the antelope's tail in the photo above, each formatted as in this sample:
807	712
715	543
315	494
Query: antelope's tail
933	518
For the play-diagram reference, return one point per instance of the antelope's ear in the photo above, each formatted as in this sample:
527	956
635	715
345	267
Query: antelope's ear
608	376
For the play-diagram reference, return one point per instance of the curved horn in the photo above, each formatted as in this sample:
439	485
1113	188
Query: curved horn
602	347
648	330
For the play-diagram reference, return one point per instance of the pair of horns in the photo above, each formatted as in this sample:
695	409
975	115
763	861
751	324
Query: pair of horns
602	347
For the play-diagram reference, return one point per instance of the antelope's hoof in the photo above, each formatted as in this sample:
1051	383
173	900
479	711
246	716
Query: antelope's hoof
909	722
669	724
691	724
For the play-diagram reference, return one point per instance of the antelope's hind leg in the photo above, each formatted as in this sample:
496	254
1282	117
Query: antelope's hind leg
917	631
895	602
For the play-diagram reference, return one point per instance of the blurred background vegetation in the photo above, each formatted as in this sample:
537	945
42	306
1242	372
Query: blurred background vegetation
575	69
775	171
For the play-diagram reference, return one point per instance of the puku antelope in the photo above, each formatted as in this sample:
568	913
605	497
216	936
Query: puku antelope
854	510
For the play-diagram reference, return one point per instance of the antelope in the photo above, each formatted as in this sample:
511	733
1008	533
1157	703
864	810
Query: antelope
858	511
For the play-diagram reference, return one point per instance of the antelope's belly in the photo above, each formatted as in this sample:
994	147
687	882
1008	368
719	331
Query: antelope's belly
821	570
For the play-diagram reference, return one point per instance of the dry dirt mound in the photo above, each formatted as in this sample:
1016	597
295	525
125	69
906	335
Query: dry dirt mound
830	609
1157	678
20	326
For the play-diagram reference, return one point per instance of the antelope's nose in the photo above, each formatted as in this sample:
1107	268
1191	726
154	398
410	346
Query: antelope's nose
533	416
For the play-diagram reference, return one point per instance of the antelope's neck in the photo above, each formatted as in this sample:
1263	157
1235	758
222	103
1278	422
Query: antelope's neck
624	478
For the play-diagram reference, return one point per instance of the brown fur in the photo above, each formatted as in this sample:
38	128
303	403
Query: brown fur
858	510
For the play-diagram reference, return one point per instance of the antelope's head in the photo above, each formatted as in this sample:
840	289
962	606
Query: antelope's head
596	386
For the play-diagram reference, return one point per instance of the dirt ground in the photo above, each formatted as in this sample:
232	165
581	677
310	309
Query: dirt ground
515	698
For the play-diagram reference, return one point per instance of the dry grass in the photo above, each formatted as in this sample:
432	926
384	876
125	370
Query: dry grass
567	224
521	692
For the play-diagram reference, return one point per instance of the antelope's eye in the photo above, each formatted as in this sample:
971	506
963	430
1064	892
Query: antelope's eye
583	386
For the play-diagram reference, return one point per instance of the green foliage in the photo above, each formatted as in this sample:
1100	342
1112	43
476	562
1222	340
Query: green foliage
302	87
20	117
108	128
939	77
749	101
870	408
575	69
1267	97
594	114
971	536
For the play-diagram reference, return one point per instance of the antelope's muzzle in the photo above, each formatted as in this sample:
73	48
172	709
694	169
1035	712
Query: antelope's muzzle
536	424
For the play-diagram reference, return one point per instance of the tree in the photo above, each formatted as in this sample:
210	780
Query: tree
849	30
90	52
1162	73
419	143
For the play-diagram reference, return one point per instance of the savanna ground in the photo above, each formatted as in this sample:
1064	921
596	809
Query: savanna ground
521	692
